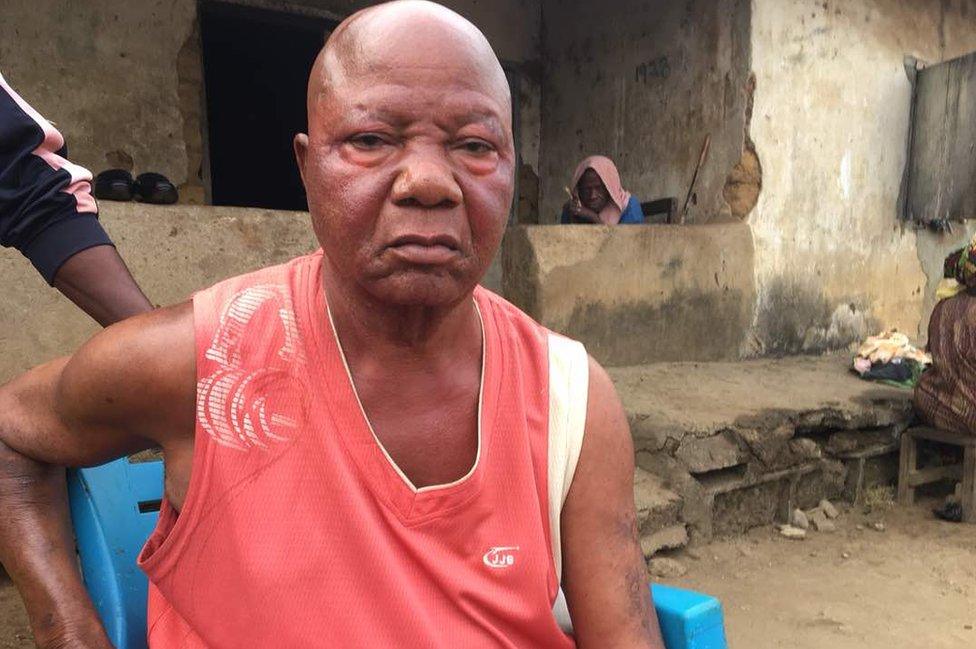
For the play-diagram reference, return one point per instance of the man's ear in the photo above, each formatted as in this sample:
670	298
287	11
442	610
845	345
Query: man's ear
300	144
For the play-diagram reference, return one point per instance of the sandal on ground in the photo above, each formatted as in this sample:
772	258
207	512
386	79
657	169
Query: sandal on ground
951	511
114	185
156	189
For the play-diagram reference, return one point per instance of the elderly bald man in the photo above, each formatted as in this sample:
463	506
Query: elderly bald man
362	448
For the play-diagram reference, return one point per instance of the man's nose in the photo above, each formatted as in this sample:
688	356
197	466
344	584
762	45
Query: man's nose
426	180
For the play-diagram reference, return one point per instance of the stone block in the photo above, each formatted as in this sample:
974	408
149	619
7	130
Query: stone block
669	538
804	448
657	506
666	568
701	455
851	441
828	509
736	511
769	444
827	482
798	518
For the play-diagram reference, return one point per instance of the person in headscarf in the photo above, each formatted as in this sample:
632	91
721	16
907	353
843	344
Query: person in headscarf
598	197
945	396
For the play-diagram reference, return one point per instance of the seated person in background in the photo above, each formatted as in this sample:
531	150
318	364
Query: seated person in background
598	197
945	396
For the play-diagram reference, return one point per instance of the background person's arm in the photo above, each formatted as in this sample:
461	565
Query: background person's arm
582	214
604	574
48	213
97	280
135	376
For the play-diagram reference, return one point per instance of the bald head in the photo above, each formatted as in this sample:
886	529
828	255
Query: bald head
409	159
395	38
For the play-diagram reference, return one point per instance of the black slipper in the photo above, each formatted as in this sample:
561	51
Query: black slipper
156	189
951	511
114	185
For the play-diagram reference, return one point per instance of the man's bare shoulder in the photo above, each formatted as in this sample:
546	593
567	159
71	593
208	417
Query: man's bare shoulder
138	374
605	417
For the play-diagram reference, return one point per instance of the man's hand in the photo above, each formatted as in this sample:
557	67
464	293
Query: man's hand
38	553
604	575
138	375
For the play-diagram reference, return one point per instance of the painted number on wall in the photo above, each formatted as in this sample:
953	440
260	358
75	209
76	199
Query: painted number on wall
658	68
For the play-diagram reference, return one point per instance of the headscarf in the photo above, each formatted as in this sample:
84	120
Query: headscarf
607	171
959	272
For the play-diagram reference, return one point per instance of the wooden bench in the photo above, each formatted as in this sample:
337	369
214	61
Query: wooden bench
910	476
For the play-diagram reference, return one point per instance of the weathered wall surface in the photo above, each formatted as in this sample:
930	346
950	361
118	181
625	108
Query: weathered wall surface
644	82
172	251
830	125
123	80
636	294
107	72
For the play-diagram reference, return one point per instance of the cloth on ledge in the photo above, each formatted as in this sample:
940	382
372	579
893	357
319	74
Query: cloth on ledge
890	358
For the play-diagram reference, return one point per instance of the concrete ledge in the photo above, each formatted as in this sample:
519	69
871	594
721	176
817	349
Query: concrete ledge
636	294
172	252
742	443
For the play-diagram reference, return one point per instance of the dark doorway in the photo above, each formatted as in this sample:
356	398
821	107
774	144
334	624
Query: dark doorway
256	64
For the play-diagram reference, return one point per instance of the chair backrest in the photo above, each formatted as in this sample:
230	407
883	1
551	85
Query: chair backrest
689	620
114	508
662	210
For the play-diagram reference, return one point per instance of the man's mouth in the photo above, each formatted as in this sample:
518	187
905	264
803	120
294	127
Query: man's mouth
426	250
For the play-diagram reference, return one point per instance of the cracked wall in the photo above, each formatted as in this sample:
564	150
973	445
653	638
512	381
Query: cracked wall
830	122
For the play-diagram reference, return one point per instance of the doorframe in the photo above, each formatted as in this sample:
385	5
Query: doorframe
286	9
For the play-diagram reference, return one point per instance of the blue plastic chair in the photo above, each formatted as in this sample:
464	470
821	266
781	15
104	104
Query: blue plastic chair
689	620
115	506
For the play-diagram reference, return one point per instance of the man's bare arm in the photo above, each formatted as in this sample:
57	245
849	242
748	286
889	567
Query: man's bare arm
604	575
137	376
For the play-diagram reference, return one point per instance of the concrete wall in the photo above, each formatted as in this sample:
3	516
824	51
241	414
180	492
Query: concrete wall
123	80
830	126
644	82
108	73
172	251
636	294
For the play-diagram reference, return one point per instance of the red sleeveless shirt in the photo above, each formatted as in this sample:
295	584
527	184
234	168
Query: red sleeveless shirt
298	530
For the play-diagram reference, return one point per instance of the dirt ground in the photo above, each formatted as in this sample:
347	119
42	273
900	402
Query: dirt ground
14	630
911	585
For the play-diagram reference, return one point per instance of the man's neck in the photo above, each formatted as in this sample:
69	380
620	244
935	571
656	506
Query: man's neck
364	324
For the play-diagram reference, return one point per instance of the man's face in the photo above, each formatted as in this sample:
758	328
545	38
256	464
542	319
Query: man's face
592	193
409	177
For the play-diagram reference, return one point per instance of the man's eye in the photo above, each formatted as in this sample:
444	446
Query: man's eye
476	147
367	141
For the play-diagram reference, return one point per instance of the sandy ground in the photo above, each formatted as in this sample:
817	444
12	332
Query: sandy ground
14	631
911	585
